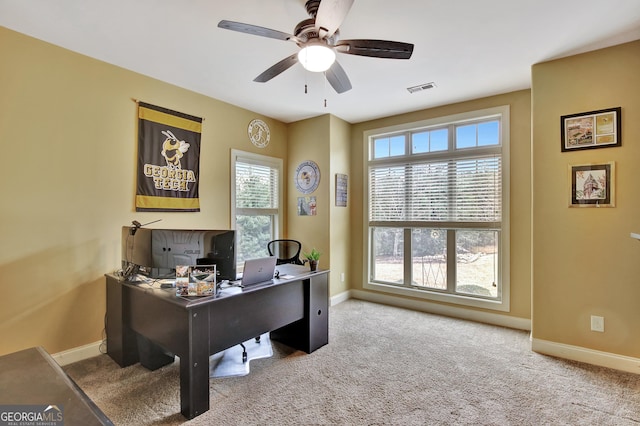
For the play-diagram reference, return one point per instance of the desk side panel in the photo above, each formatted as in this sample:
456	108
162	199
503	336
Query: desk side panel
243	317
158	320
194	368
312	331
318	313
121	340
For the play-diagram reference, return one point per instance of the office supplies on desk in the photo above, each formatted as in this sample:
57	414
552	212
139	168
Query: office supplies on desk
195	280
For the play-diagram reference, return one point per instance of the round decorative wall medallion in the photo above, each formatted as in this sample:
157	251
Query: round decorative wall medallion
259	133
307	177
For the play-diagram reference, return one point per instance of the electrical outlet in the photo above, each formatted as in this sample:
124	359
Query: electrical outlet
597	323
342	277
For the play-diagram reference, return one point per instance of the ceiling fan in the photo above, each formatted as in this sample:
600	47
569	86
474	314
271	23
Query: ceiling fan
318	39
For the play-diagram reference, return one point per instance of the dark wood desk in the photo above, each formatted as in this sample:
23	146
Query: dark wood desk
150	325
33	382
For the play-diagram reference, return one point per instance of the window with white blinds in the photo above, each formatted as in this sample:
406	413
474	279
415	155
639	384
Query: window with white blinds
256	186
458	190
256	203
437	226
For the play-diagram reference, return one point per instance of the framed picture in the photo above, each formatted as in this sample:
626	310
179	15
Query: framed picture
307	206
594	129
592	185
341	190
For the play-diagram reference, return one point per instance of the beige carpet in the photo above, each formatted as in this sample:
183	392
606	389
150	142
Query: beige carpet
383	365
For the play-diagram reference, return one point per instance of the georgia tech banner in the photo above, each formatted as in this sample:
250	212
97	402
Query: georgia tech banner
168	160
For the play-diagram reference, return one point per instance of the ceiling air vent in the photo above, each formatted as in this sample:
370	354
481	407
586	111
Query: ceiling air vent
421	87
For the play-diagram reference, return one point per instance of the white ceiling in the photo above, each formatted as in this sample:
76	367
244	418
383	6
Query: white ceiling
468	48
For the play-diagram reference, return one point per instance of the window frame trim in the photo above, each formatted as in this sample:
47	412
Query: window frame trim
503	111
260	159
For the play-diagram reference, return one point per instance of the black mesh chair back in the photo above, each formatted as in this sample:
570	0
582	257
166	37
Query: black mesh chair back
287	251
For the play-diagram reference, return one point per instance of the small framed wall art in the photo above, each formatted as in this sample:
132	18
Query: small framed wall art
592	185
307	206
341	190
307	177
594	129
259	133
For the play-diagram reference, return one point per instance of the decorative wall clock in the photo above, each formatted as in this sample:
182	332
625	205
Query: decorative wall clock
307	177
259	133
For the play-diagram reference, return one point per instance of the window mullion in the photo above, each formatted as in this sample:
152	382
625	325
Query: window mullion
250	211
408	258
451	260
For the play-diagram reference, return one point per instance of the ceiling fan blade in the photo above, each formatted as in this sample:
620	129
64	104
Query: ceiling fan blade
256	30
376	48
337	77
277	69
330	15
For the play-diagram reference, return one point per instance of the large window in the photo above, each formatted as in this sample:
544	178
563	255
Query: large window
437	209
256	203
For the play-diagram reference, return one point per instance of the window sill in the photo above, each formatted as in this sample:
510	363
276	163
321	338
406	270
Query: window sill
455	299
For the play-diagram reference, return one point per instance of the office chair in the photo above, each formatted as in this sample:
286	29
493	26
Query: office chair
286	251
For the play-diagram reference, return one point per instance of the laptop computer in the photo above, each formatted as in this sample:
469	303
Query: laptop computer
258	271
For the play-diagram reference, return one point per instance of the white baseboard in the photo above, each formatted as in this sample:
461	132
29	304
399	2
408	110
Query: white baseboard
446	310
589	356
78	354
339	298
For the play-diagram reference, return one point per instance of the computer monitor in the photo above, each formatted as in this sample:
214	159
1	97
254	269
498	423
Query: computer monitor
156	252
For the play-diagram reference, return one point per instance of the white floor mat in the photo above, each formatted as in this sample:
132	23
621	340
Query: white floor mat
229	363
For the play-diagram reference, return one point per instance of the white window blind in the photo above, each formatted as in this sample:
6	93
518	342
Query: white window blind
463	190
256	186
256	203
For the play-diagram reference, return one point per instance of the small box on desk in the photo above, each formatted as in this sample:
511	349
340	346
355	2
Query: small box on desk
195	280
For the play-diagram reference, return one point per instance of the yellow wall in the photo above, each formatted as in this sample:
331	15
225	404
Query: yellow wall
341	247
68	126
584	261
309	140
325	140
520	196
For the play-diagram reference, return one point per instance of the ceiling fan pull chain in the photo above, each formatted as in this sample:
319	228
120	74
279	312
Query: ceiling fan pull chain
324	88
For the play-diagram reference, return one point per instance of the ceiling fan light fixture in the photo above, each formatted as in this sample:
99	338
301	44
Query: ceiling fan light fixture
316	57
